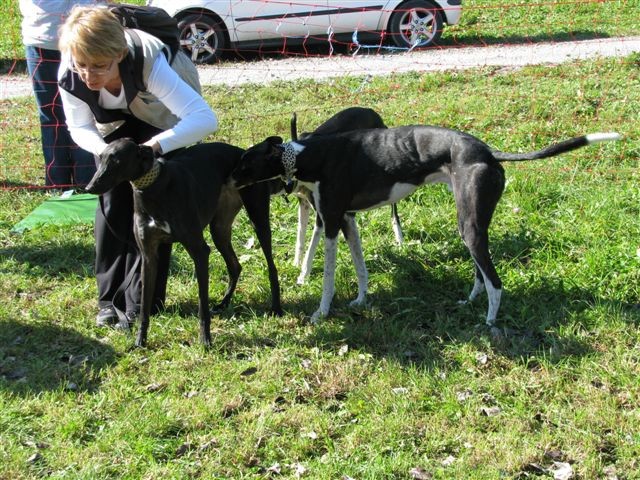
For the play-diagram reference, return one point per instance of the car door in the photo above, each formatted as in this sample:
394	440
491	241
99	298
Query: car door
355	15
260	19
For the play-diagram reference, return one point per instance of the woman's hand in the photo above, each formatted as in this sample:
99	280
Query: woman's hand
155	146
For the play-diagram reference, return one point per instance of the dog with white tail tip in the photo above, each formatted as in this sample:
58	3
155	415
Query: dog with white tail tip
364	169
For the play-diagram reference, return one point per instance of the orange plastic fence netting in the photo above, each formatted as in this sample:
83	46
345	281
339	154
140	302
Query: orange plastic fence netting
494	36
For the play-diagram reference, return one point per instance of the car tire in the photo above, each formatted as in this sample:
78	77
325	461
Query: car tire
202	38
416	23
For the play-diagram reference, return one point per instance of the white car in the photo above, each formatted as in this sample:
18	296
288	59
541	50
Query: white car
209	28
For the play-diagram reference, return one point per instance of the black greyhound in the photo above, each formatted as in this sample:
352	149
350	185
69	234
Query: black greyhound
364	169
174	200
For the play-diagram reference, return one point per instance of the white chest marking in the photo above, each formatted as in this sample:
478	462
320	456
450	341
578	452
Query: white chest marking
164	226
297	148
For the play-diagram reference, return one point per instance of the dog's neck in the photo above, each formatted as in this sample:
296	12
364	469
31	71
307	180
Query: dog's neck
290	153
146	180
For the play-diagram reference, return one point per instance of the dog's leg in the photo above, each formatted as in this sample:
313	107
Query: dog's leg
304	209
477	195
478	286
199	253
328	280
395	224
307	264
220	229
149	254
350	231
257	208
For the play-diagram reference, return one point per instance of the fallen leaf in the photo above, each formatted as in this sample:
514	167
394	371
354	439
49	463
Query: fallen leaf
419	473
72	386
76	360
400	390
232	407
488	399
448	461
554	454
491	411
482	358
535	468
208	445
35	458
183	449
249	371
464	395
38	445
155	387
561	471
275	468
299	470
610	472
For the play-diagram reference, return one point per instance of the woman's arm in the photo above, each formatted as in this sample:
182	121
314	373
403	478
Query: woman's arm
80	121
196	119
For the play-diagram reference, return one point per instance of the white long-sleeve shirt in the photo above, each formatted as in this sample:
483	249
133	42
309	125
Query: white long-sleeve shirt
42	18
196	119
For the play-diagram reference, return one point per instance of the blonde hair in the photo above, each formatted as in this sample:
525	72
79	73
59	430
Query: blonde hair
92	32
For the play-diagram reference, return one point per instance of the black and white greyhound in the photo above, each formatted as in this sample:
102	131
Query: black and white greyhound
352	118
365	169
174	200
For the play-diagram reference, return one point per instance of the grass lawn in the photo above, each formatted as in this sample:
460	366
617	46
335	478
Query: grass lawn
414	386
413	383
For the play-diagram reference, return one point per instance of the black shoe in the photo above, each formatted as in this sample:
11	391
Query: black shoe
106	317
127	320
133	316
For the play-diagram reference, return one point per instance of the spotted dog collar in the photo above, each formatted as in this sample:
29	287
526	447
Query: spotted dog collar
288	161
148	178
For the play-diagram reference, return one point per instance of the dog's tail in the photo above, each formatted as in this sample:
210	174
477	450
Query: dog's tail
558	148
294	127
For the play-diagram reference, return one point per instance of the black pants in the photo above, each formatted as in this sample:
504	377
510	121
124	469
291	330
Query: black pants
116	249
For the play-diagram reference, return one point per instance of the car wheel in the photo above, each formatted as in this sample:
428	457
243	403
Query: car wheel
416	23
202	38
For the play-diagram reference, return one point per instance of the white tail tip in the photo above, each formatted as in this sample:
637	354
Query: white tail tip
603	137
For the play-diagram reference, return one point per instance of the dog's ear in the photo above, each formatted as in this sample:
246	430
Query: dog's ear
146	156
274	140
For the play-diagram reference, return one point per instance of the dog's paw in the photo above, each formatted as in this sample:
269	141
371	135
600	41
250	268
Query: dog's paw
490	322
317	317
302	279
358	303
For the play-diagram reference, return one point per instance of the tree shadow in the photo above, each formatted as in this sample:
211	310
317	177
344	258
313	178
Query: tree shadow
42	357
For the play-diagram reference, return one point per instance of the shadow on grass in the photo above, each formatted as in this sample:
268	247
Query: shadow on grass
486	39
370	44
53	260
418	314
39	357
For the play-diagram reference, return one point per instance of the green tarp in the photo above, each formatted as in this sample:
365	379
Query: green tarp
67	209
